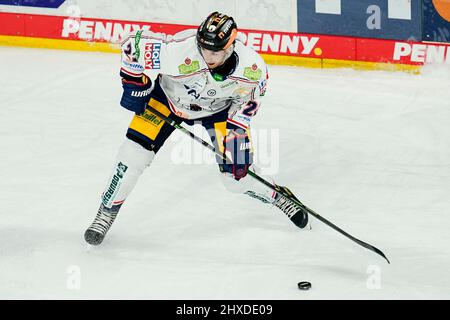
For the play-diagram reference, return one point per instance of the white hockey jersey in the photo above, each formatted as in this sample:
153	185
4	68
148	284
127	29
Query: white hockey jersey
192	91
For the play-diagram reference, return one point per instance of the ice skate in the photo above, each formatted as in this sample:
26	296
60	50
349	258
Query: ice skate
96	232
294	212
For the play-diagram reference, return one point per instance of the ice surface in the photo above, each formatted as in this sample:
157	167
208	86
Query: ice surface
369	151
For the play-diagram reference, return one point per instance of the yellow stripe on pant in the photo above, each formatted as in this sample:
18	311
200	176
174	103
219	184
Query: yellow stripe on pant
220	129
148	123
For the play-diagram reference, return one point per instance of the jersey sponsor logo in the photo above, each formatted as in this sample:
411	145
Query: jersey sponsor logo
152	53
241	92
211	92
151	118
228	84
189	66
253	72
421	53
218	77
115	184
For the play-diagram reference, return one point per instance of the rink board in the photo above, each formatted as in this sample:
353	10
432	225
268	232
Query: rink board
285	48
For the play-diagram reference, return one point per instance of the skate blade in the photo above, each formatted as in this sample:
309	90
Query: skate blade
308	226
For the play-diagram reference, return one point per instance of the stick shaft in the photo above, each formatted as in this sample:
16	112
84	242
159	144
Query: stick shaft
270	185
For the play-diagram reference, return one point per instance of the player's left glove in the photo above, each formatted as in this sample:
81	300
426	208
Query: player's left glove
237	150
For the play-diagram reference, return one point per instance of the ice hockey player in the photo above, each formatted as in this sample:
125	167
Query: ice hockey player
205	76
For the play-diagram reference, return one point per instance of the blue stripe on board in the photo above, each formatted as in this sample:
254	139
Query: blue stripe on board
54	4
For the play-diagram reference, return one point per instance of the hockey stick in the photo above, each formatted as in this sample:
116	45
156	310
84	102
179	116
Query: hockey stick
270	185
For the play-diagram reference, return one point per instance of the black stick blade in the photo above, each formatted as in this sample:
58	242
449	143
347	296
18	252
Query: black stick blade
361	243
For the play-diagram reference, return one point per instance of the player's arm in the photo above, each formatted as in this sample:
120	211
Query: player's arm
237	144
141	51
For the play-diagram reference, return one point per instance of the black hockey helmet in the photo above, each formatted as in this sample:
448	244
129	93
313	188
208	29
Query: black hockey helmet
217	32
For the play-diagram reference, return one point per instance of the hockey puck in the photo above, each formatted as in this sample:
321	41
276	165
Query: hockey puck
304	285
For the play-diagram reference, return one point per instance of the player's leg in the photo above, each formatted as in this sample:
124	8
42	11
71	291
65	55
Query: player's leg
145	136
249	186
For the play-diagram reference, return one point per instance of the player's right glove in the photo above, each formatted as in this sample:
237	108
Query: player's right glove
136	92
237	151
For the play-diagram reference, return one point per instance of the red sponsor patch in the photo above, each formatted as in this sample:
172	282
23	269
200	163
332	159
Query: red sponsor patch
152	53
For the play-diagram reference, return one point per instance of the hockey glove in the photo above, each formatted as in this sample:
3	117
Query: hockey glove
136	92
237	150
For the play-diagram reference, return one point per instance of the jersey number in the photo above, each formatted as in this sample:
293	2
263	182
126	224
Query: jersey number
250	108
